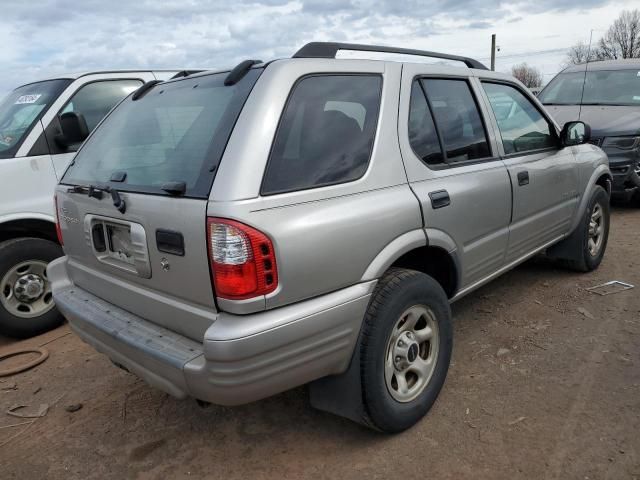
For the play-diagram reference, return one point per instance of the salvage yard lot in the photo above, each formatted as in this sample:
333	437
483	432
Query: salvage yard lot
544	383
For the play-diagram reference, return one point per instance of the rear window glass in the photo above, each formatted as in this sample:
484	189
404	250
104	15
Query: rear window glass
326	133
176	132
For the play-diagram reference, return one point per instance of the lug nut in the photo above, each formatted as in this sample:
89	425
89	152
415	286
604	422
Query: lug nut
401	343
398	359
409	335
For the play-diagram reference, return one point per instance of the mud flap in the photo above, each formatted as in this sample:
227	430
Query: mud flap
341	394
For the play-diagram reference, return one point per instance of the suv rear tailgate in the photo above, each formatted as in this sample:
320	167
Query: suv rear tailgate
170	288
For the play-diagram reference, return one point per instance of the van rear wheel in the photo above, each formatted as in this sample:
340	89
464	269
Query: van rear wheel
405	349
26	303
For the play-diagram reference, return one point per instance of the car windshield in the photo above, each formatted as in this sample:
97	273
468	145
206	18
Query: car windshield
176	132
22	108
603	87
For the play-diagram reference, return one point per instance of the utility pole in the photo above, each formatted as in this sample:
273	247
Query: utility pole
493	52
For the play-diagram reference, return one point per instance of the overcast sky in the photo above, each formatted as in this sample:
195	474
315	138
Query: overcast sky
43	38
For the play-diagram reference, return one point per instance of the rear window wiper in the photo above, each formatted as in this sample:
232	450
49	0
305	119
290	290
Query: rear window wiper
89	190
98	192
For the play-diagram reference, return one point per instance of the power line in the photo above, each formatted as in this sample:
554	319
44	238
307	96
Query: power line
532	53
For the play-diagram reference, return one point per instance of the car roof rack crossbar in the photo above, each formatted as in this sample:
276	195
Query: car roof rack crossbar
239	71
185	73
330	50
140	92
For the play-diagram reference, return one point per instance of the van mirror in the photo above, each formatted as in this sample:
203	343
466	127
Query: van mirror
74	130
575	133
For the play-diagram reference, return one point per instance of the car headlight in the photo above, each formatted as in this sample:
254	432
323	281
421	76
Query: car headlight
623	143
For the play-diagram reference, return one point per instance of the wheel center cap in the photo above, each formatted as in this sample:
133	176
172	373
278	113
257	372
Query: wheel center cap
406	351
412	353
28	288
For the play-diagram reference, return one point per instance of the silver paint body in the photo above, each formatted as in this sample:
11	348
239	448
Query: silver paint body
332	244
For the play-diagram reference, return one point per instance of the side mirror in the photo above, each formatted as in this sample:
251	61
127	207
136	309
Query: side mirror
74	130
575	133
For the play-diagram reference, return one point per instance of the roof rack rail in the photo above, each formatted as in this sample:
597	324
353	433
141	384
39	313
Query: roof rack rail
330	49
185	73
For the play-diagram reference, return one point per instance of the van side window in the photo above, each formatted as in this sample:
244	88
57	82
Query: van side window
522	127
326	133
422	131
458	119
95	100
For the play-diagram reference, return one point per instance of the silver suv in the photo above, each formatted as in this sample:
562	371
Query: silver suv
232	235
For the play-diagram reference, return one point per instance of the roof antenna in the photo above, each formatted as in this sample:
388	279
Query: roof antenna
584	80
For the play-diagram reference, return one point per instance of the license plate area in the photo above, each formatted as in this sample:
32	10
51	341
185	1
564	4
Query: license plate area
120	244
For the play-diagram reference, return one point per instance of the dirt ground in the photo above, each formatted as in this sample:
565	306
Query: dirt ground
544	384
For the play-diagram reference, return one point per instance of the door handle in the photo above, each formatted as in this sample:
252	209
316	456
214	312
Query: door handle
439	199
523	178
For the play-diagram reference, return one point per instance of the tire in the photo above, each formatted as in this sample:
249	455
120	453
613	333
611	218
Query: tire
389	409
575	252
21	258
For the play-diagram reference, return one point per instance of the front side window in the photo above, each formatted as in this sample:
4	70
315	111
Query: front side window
22	108
94	100
326	133
521	125
458	118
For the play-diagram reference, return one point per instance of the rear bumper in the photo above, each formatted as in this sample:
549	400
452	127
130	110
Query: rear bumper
240	359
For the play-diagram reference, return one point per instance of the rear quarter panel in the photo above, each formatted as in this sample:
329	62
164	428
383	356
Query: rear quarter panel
325	238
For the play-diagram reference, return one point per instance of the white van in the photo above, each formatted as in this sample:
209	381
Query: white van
42	124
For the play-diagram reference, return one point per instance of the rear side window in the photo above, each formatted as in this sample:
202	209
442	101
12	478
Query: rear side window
522	126
458	119
423	136
326	133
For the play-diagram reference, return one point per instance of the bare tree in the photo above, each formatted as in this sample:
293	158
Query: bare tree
579	52
530	76
622	40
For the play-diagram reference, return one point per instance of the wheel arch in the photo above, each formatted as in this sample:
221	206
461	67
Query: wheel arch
601	176
435	257
38	226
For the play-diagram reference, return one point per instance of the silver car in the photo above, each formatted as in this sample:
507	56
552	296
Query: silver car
231	235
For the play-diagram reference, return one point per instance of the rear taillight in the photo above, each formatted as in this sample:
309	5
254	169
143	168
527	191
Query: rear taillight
58	230
243	263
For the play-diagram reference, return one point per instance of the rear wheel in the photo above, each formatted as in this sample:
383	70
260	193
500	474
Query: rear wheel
26	303
405	349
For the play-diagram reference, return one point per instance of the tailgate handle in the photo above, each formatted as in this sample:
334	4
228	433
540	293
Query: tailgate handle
171	242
